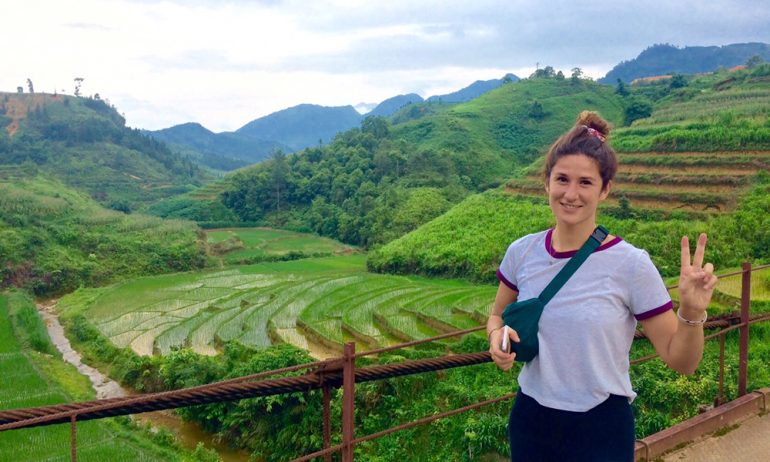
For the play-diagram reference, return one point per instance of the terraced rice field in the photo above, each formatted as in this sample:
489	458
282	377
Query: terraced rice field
694	181
23	385
760	286
316	304
249	245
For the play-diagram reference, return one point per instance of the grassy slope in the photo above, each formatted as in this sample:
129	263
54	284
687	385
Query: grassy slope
54	239
34	379
85	143
251	245
499	124
470	239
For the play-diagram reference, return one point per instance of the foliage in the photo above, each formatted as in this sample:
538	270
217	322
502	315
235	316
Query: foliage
53	240
84	142
28	328
470	240
355	189
661	59
245	246
636	108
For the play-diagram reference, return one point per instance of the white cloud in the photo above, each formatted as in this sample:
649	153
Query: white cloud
225	63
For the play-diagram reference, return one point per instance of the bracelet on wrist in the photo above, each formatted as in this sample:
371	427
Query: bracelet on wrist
690	322
489	335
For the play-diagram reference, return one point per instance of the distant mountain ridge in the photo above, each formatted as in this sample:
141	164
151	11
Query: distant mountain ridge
391	105
302	126
473	90
664	59
293	129
220	151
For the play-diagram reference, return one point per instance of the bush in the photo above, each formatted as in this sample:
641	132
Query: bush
28	327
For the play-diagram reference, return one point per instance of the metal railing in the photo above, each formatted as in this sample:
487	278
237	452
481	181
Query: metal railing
342	372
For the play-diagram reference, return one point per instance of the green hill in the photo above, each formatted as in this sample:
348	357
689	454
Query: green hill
54	239
376	183
698	163
218	151
664	59
85	143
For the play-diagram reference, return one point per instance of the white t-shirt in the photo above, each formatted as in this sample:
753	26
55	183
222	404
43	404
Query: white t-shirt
586	330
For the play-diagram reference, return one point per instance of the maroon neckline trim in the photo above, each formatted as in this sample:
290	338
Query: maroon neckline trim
569	254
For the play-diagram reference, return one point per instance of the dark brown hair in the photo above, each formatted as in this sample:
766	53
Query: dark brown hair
587	137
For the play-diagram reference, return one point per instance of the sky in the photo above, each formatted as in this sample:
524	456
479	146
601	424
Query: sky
225	63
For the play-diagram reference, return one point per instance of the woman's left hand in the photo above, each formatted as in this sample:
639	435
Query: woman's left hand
696	280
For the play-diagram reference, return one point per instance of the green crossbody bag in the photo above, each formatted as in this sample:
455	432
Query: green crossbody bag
524	316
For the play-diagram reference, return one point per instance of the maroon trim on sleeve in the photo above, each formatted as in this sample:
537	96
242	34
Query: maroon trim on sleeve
505	281
655	311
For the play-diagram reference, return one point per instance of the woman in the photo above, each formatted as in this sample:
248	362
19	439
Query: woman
574	396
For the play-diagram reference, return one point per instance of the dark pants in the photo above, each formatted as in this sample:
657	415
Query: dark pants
542	434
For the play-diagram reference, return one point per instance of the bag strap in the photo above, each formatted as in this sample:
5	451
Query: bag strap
593	242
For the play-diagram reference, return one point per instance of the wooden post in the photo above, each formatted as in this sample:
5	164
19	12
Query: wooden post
743	364
348	390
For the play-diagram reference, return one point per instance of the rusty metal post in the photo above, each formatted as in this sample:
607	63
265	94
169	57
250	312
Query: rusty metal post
348	390
721	396
743	364
327	421
74	437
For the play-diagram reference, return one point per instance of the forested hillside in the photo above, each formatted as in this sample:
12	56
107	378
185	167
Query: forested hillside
374	184
54	239
85	143
662	59
218	151
698	160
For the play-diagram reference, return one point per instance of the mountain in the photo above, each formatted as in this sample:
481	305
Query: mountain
662	59
473	90
302	126
292	129
220	151
374	184
85	143
391	105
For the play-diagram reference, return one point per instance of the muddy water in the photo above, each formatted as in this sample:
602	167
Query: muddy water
188	433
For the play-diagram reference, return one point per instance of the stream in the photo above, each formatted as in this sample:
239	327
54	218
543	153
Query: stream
188	433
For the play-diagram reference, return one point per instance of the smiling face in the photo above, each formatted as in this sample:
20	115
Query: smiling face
574	191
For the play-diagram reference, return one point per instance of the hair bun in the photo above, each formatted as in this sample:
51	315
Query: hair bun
594	120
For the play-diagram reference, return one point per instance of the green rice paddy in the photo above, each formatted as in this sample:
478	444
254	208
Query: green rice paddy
251	245
24	384
319	301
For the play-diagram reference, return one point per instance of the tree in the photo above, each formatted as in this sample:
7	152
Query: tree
78	83
677	81
576	74
637	108
545	73
278	176
560	75
376	126
621	89
754	61
536	110
29	85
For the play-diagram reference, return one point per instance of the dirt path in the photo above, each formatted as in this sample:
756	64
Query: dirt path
104	386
